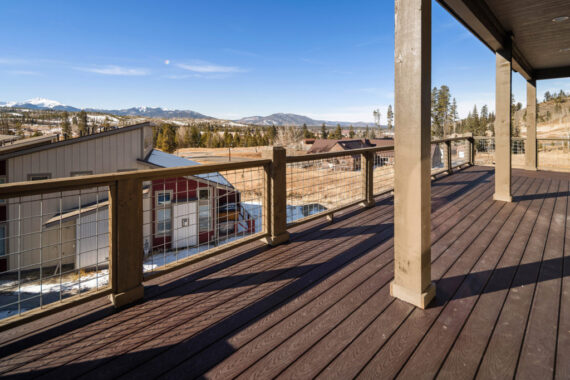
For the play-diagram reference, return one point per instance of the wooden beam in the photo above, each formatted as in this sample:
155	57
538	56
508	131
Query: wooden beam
530	144
412	185
480	20
503	91
552	73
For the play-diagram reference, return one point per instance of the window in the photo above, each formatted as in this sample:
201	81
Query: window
39	176
164	197
163	220
204	218
80	173
204	194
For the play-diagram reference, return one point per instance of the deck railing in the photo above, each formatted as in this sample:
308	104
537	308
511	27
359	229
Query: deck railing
552	153
74	239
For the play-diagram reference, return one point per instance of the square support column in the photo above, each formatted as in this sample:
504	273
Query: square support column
530	145
503	92
412	185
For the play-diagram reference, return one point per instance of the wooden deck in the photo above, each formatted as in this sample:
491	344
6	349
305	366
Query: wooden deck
320	305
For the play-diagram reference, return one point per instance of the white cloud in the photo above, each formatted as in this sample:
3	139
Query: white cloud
23	72
208	68
13	61
114	70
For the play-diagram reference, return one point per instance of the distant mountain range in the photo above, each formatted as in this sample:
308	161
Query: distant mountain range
277	119
293	119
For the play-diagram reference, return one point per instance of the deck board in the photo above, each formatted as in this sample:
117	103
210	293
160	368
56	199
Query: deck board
320	305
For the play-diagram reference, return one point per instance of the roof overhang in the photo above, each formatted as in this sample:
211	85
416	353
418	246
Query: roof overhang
539	45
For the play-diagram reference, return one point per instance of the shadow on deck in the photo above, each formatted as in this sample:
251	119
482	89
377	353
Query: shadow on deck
320	305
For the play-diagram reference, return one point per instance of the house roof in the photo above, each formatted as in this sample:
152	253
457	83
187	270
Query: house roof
325	145
382	142
321	146
16	144
166	160
45	146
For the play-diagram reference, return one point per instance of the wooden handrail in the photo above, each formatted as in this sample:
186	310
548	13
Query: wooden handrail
76	183
353	152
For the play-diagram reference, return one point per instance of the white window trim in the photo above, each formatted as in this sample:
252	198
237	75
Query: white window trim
31	175
156	194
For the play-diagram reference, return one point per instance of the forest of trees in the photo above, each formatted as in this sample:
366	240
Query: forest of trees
169	137
445	120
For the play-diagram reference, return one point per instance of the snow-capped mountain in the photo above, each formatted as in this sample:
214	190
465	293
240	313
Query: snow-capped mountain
47	104
277	119
293	119
40	103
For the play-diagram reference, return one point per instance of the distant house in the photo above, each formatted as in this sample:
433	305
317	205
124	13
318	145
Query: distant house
352	162
194	209
73	230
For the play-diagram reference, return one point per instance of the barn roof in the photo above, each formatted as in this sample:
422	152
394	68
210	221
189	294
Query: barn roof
167	160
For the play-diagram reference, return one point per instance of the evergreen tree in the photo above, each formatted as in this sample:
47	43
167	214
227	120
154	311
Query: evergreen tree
82	123
195	137
547	96
453	114
337	134
166	139
65	126
272	134
324	133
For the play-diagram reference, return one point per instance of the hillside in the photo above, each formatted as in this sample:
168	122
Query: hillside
553	119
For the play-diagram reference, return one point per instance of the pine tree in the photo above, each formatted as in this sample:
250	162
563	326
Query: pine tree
65	126
547	96
195	137
337	134
453	114
351	132
82	123
324	133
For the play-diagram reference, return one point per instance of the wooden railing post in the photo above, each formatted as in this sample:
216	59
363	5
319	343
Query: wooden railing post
449	164
126	241
368	179
471	150
276	199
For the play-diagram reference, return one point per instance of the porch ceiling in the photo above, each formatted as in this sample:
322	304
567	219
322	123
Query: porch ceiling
541	47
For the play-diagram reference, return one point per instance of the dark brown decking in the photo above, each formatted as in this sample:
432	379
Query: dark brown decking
320	305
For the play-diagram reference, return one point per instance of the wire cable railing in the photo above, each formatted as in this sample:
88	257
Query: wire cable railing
73	239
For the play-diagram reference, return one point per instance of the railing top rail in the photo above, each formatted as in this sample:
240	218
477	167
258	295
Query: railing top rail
553	139
76	183
439	141
354	152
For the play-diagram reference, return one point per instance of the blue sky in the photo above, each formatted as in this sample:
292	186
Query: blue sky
326	59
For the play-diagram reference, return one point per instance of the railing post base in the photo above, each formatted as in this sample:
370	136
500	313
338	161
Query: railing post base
368	179
279	239
502	198
128	297
276	198
367	204
126	242
420	300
